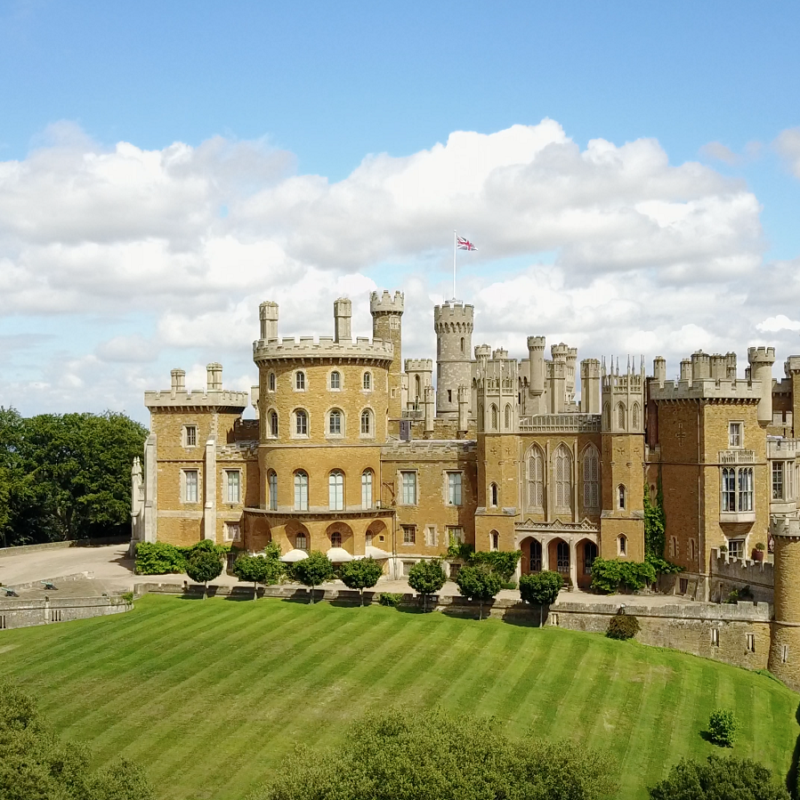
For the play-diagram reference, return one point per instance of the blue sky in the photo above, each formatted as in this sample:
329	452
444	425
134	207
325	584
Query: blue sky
313	89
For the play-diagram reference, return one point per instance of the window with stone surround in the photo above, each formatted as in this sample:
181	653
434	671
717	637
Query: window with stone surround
494	496
750	640
536	472
430	536
495	417
735	437
777	480
621	497
300	381
301	491
233	485
562	468
366	488
409	534
272	382
272	483
621	416
509	417
300	422
366	422
232	531
336	380
715	637
336	490
455	534
408	481
367	381
737	489
273	424
494	540
335	422
190	435
622	545
454	480
591	478
735	548
191	486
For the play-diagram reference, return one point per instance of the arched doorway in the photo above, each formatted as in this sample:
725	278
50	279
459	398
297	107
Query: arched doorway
587	553
560	558
531	560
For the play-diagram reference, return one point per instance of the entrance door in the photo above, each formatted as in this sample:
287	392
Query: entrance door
562	558
536	556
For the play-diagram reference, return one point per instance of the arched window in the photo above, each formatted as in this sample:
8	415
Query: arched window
621	497
622	545
729	489
367	381
336	380
562	558
417	387
366	489
301	492
495	419
535	479
301	541
493	495
336	490
301	422
635	423
272	381
509	416
273	423
535	563
607	415
366	422
336	539
300	380
673	547
335	423
562	467
494	540
272	483
589	555
591	478
621	416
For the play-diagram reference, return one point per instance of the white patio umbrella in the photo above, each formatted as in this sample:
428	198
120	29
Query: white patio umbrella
293	556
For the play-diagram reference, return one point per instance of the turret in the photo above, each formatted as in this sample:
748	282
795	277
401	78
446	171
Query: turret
572	357
463	409
558	378
761	360
342	317
536	345
701	366
387	314
430	410
686	370
214	377
453	323
590	386
659	370
419	372
268	317
178	383
784	651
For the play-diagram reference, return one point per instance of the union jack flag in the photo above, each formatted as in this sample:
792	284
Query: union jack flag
464	244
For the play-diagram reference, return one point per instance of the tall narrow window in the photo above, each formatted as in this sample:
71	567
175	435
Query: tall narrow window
746	489
190	435
494	540
272	481
621	416
301	541
366	422
191	480
535	478
622	545
417	387
449	395
562	558
562	464
494	498
621	497
273	423
591	478
635	423
300	381
777	480
409	481
336	380
462	345
367	381
495	417
272	381
300	491
535	556
301	422
735	434
336	490
589	555
692	550
234	485
729	489
366	489
454	488
509	417
335	423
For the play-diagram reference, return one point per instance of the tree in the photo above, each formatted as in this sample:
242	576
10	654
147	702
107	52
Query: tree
540	588
480	582
203	566
718	779
426	578
36	765
503	562
429	755
361	574
313	571
266	568
722	727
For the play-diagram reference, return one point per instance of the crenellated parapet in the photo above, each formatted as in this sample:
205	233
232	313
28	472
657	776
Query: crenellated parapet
739	391
386	303
362	349
453	317
212	397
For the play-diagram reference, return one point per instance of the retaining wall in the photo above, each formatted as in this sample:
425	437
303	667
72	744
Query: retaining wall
21	613
18	550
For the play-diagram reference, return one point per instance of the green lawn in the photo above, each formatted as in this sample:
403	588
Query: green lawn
210	695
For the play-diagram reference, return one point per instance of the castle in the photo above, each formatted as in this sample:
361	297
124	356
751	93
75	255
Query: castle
354	452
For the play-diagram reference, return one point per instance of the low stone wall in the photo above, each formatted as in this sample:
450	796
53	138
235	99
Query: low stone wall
21	613
32	548
742	631
728	574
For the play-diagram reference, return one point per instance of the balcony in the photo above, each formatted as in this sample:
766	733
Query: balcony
737	456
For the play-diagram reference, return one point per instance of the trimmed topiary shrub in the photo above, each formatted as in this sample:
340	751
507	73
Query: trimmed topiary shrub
623	626
390	599
722	727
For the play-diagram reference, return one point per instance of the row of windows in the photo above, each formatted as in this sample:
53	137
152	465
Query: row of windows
335	490
334	425
335	381
232	486
737	489
621	414
561	477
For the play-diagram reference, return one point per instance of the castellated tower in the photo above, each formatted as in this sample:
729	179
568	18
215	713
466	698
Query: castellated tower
387	312
761	360
622	476
784	651
453	324
590	386
497	393
536	375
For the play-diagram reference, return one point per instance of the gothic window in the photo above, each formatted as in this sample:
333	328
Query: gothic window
535	563
509	417
562	467
535	478
589	555
301	422
495	416
621	497
562	558
493	494
745	489
272	482
273	423
729	489
335	423
366	422
635	417
622	545
591	478
366	489
777	480
336	380
336	490
607	415
621	416
494	540
301	492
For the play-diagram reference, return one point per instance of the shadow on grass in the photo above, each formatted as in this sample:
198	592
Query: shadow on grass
794	769
528	618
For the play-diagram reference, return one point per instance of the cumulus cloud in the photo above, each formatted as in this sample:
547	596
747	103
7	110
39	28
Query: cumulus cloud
788	146
165	254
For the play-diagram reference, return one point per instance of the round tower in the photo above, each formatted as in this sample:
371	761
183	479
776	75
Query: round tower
453	323
387	313
784	651
761	360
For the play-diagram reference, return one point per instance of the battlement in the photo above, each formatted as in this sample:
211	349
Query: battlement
761	355
451	312
483	351
791	366
307	347
590	368
559	352
537	342
499	354
788	527
419	365
629	382
429	450
739	390
385	303
199	398
778	447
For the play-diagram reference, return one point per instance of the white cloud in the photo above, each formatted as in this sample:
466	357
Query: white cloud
166	254
788	146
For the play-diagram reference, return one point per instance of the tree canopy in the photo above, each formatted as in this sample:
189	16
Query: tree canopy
480	582
426	577
36	765
203	566
266	568
65	476
540	588
361	574
313	571
429	755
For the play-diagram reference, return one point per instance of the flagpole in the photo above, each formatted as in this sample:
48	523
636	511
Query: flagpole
455	243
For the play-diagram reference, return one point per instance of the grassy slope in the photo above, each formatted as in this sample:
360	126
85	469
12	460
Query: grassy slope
211	694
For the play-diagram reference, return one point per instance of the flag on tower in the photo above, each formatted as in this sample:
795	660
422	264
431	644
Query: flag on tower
464	244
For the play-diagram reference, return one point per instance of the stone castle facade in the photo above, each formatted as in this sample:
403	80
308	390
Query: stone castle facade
355	452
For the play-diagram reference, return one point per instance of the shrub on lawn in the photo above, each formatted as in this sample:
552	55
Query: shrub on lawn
160	558
623	626
722	726
611	575
540	588
426	577
503	562
480	582
361	574
313	571
391	599
204	566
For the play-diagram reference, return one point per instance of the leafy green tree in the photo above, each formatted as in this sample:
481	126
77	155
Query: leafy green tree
429	755
611	575
204	566
503	562
722	727
481	582
313	571
718	779
36	765
426	578
361	574
266	569
541	588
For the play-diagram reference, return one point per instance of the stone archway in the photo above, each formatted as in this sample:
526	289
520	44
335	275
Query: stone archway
340	534
587	552
532	556
560	558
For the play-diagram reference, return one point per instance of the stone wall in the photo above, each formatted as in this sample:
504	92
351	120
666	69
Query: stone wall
21	613
729	574
19	550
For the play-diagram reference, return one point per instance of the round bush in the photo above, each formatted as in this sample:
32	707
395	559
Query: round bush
623	626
